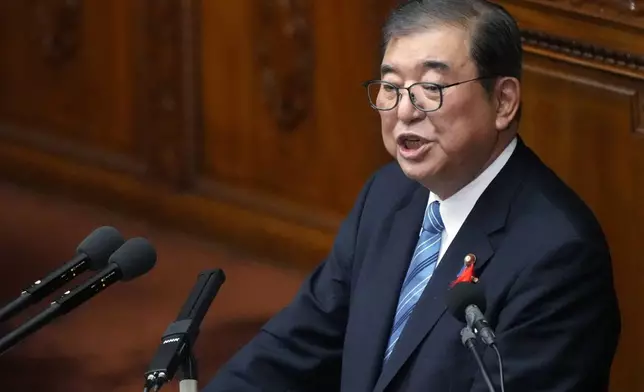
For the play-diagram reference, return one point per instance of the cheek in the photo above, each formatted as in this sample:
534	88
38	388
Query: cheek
388	122
464	124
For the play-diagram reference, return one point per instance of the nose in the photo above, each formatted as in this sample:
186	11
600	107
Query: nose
407	112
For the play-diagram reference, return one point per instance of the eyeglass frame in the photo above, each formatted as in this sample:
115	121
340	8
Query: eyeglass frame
440	88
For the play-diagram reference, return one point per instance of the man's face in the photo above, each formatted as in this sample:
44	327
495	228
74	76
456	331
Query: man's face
451	145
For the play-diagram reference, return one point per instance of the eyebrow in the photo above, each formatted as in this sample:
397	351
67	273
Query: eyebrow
432	65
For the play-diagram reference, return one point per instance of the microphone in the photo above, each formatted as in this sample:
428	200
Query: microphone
468	338
91	254
466	302
135	258
179	338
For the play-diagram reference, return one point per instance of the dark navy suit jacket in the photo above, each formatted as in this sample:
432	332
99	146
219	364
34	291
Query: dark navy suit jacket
541	258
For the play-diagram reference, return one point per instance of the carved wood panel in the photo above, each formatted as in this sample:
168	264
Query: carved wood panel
67	81
122	105
285	55
57	28
627	12
558	20
286	121
168	90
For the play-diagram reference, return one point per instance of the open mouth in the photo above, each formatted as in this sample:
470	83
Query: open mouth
411	142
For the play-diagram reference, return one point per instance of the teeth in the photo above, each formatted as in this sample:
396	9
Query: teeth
412	143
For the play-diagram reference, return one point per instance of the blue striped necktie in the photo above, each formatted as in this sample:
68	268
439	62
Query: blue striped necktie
420	271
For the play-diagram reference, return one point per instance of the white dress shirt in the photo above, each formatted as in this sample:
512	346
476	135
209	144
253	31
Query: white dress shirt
455	209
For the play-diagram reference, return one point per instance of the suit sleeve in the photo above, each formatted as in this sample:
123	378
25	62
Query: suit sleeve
559	326
300	348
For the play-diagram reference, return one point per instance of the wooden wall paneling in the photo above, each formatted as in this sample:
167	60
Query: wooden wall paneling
131	116
286	123
169	89
66	89
597	23
624	13
285	115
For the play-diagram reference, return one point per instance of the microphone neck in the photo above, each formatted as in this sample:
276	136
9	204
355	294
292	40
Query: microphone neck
92	286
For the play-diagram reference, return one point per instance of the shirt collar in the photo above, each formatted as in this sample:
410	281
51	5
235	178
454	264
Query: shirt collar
455	209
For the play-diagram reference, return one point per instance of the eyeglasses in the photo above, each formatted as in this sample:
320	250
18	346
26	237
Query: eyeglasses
425	96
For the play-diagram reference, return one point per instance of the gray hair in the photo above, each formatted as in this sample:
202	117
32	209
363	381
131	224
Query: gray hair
495	37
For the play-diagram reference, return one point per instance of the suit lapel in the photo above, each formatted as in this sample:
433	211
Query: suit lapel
375	303
488	216
431	305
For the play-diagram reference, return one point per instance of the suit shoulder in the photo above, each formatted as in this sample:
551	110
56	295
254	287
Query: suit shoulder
389	184
391	171
556	208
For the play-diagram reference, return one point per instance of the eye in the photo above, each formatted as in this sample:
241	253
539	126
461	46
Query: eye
431	88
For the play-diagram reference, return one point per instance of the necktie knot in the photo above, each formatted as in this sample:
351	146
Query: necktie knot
432	222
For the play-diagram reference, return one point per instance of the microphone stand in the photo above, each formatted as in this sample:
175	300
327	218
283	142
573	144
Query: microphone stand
188	373
175	351
468	338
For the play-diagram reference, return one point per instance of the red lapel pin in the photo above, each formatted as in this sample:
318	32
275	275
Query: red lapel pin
467	272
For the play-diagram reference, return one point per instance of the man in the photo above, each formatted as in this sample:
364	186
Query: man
372	316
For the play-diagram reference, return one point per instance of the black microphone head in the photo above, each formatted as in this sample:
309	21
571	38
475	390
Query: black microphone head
99	246
135	258
463	295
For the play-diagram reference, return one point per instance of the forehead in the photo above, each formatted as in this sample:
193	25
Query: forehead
443	49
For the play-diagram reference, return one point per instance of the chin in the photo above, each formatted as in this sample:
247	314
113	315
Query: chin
416	171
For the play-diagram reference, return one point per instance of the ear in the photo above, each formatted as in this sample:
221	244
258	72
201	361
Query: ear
508	97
